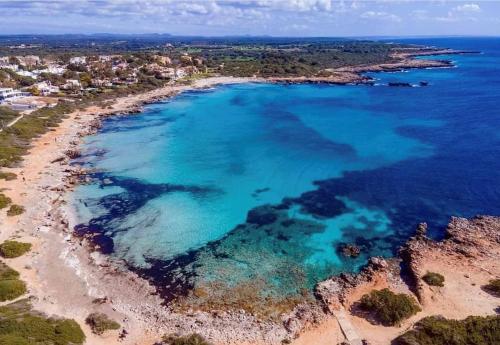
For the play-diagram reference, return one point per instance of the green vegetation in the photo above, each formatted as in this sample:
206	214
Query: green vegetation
436	330
389	308
14	249
7	176
15	210
493	287
100	323
10	78
20	325
7	115
193	339
291	58
15	140
11	286
4	201
433	279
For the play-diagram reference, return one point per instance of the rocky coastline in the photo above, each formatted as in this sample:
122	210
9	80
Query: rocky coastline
402	59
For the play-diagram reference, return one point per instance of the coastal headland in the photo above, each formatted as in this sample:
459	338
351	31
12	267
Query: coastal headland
65	277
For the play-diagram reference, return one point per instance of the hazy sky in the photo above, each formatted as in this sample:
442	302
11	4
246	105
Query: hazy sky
252	17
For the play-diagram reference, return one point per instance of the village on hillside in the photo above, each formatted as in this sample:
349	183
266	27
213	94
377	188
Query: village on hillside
30	82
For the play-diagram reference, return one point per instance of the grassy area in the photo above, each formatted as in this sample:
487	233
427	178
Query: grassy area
388	308
15	140
19	324
100	323
433	279
15	210
11	286
193	339
7	115
435	330
14	249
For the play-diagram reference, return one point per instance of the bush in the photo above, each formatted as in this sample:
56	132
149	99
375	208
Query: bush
493	287
100	323
10	285
436	330
14	249
4	201
15	210
389	308
7	176
433	279
11	289
193	339
9	339
19	325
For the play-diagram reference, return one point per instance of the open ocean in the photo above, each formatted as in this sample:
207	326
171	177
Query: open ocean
259	184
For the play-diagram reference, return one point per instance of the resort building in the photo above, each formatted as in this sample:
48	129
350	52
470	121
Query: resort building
10	93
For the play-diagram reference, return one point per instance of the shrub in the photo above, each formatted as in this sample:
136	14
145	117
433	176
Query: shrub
7	176
11	289
10	339
10	285
19	325
15	210
7	273
14	249
436	330
493	287
389	308
100	323
193	339
433	279
4	201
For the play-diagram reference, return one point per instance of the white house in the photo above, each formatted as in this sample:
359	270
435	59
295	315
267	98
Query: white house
78	60
46	88
9	93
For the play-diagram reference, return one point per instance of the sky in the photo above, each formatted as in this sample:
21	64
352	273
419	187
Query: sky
332	18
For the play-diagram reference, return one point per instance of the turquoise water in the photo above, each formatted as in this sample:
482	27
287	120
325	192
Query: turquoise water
260	184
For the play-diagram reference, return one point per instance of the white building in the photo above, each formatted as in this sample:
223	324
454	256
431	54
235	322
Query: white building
72	84
78	60
9	93
46	88
7	65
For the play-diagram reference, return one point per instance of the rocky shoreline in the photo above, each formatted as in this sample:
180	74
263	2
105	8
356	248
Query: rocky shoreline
403	59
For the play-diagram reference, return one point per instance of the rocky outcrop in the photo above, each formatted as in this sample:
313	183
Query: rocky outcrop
349	250
465	238
334	292
397	83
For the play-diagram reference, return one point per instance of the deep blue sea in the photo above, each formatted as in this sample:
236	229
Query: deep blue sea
263	183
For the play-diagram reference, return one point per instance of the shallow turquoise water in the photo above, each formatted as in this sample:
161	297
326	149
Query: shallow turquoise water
176	182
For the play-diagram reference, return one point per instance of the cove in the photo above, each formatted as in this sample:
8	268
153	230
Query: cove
246	192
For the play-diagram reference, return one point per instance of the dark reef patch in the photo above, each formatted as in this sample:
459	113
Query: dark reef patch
286	127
